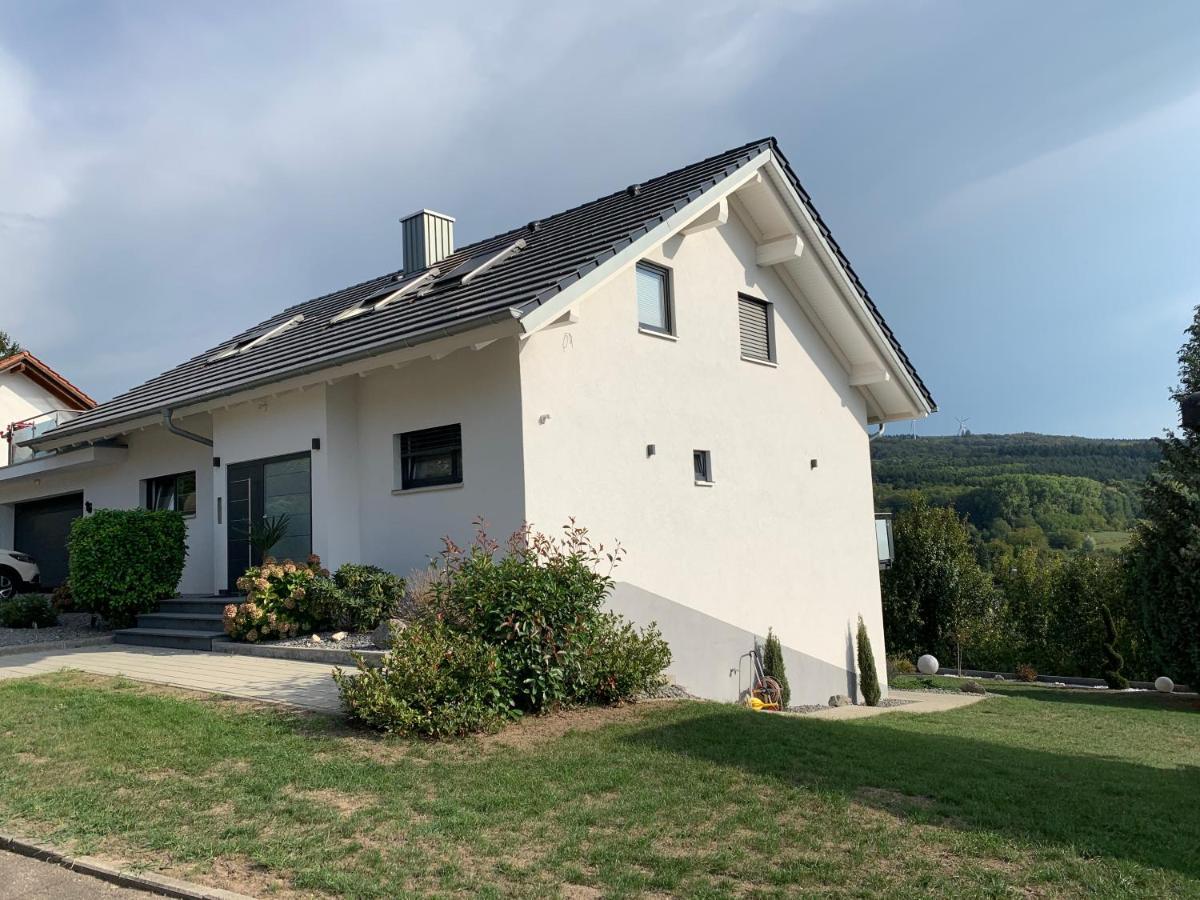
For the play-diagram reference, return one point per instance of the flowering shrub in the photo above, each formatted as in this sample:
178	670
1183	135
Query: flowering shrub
276	604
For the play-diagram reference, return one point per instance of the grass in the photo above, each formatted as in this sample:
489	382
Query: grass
1037	792
1111	540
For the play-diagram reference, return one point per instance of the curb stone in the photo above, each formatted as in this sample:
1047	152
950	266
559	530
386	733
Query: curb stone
47	646
150	882
324	655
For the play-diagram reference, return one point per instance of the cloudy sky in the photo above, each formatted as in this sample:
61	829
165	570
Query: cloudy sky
1018	183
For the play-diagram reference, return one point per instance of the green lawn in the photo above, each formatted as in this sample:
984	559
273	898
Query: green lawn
1037	792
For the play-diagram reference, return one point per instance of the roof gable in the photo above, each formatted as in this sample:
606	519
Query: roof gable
557	253
25	363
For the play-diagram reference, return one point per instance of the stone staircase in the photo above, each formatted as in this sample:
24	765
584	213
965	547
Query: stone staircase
181	623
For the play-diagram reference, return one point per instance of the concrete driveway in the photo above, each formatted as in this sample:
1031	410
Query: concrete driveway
304	684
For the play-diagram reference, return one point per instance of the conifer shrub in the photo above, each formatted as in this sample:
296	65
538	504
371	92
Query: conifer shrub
868	678
1112	659
773	666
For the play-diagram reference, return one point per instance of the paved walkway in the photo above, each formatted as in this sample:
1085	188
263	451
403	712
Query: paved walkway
920	702
303	684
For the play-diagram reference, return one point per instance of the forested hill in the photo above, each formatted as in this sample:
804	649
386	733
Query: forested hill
1020	488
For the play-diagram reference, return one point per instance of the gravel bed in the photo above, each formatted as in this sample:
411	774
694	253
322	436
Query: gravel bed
70	627
668	692
895	701
350	642
811	708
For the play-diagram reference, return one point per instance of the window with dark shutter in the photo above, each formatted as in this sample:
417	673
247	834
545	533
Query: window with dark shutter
754	323
431	456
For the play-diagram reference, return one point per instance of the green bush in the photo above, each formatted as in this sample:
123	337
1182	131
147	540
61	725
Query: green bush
773	666
277	603
868	678
623	661
27	611
540	604
434	682
124	561
366	596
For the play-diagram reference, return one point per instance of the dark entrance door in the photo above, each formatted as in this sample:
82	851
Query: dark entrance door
263	489
41	528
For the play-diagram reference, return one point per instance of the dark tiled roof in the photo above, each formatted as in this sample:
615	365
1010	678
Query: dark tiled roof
559	251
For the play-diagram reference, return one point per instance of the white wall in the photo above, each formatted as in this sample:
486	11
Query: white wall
152	453
401	531
774	542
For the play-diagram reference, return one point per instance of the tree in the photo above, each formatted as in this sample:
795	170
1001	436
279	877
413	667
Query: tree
1164	558
868	678
8	347
773	666
936	598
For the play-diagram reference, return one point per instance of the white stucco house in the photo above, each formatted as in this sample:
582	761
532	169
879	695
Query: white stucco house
34	398
689	366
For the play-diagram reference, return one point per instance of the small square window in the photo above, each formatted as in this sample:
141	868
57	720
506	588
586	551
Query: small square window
430	457
654	298
172	492
702	465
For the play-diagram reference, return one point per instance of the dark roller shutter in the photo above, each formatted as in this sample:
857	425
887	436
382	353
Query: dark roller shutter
754	320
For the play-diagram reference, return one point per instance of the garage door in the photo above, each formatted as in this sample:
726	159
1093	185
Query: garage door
41	530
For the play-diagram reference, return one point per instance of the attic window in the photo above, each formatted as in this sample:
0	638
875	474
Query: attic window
466	272
254	340
388	294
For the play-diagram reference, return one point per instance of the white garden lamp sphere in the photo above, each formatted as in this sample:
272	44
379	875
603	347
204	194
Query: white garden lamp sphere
1164	684
927	664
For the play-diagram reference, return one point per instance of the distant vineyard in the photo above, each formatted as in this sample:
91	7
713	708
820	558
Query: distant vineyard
1022	489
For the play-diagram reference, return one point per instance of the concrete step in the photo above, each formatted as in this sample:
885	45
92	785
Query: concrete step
181	621
177	639
207	606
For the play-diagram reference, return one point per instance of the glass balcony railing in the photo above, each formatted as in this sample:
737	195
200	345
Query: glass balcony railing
35	426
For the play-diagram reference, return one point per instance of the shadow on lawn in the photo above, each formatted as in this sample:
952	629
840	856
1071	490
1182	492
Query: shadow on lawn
1095	806
1153	702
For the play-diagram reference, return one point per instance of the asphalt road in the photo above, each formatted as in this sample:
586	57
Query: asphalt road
22	878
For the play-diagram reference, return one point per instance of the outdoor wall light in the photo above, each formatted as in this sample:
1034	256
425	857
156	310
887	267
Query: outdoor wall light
812	463
650	450
316	443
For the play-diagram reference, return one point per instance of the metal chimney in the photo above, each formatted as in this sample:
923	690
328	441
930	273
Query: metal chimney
428	239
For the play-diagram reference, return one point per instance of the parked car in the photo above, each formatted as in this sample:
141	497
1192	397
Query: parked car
18	572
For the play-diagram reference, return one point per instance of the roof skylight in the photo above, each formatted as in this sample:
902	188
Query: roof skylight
388	294
255	340
466	272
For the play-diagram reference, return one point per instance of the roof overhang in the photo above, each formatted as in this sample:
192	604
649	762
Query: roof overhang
474	334
795	244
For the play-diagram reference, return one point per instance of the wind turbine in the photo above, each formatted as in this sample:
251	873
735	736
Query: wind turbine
962	426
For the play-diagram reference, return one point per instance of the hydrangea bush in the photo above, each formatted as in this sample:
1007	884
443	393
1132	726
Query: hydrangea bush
276	604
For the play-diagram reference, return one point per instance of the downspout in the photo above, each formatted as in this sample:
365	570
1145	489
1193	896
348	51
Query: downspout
183	433
882	429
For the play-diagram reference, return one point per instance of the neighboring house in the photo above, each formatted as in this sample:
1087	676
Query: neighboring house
33	400
688	365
